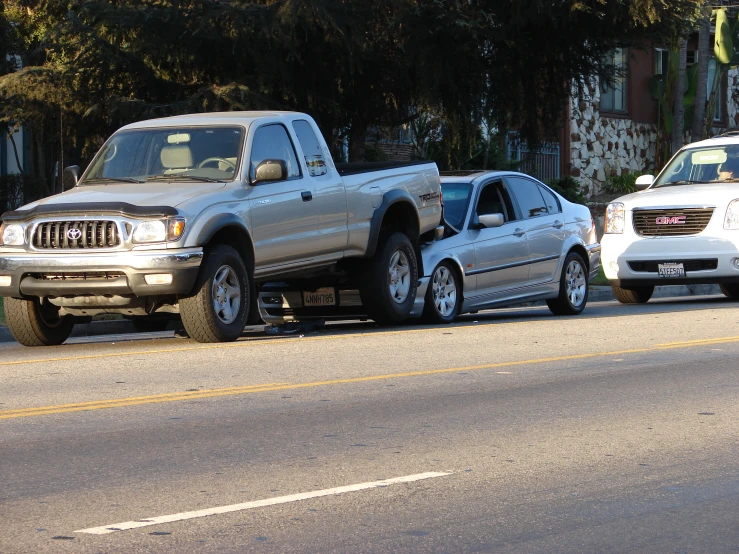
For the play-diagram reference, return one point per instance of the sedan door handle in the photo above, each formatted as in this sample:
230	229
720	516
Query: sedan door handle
307	195
558	224
519	232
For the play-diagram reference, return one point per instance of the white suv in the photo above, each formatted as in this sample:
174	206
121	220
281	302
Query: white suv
680	228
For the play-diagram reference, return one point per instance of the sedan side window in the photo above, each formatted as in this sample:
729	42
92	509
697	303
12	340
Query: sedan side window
529	197
272	142
494	200
550	200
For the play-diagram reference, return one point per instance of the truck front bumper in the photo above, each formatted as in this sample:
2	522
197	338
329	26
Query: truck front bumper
109	273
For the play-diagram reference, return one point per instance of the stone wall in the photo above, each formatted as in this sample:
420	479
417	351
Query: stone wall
601	147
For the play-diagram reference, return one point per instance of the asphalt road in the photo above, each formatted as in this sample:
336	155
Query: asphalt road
510	431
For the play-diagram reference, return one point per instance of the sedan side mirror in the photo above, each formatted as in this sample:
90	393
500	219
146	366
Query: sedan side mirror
270	170
644	181
491	220
70	177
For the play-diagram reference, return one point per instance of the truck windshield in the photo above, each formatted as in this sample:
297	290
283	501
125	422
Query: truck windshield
184	153
702	165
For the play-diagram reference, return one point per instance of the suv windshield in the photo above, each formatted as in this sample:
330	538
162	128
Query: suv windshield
702	165
185	153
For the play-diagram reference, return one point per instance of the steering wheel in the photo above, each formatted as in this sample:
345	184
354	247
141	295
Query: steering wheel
206	161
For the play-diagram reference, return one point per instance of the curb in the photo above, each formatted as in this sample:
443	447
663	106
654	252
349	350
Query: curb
597	293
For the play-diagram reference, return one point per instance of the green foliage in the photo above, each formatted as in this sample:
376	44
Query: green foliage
570	188
621	184
18	189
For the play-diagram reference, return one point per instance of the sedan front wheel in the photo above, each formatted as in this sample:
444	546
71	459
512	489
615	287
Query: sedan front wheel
573	287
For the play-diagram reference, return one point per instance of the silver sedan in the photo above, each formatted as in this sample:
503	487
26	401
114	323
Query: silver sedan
508	239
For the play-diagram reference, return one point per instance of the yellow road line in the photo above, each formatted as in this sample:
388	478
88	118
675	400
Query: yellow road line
271	387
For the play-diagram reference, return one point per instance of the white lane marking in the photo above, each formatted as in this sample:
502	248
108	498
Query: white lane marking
259	503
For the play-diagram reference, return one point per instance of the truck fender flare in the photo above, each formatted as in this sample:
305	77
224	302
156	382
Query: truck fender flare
389	199
220	221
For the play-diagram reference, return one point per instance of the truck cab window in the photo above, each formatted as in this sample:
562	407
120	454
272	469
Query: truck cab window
272	142
314	158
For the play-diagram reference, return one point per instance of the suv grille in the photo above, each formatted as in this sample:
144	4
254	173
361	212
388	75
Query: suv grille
689	265
671	222
76	235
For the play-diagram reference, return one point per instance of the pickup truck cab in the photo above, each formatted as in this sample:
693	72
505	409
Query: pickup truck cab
188	214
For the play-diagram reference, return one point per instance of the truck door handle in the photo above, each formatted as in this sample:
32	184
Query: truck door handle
558	224
519	232
307	195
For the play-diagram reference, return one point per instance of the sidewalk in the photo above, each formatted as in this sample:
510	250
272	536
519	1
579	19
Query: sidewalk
597	294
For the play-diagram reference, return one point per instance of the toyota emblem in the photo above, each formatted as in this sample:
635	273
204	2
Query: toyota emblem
74	234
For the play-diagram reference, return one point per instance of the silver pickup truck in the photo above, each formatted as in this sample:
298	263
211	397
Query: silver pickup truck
189	214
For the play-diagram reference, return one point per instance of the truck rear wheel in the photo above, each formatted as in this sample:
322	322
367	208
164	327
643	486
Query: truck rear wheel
390	280
35	324
223	293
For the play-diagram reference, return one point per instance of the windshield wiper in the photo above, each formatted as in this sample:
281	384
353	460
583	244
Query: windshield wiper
179	176
685	182
112	180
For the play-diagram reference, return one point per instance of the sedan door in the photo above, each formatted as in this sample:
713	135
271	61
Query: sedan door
544	226
501	253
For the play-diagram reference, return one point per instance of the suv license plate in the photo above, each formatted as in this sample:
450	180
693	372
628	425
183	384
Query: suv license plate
322	297
671	270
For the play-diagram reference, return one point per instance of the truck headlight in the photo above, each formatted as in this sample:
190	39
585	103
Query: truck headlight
12	235
731	221
159	231
150	231
615	218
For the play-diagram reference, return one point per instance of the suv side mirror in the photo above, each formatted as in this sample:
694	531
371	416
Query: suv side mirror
270	170
644	181
70	176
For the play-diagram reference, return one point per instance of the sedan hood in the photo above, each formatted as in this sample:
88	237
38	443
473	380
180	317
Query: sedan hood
170	193
714	194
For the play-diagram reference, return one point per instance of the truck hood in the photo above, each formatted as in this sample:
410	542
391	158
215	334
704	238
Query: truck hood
714	194
145	194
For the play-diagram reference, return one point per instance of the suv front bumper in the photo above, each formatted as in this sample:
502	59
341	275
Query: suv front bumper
109	273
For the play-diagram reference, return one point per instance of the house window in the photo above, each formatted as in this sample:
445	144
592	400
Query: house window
613	96
661	61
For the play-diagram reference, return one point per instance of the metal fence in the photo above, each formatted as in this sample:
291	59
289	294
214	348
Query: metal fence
544	164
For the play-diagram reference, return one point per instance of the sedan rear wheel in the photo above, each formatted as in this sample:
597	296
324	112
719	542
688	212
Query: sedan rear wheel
573	287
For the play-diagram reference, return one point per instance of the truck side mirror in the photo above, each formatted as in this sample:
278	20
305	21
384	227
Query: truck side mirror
270	170
70	177
644	181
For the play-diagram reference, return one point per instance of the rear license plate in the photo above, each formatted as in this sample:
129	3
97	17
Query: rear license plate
671	270
322	297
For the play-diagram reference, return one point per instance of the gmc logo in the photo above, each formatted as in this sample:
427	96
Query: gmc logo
665	220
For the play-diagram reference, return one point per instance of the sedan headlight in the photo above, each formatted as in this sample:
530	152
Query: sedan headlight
12	235
731	221
159	231
615	218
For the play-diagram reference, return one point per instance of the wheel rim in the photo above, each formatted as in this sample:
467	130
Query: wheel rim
444	290
49	315
576	284
226	294
399	277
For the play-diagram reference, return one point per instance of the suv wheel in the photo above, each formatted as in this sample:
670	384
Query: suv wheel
632	295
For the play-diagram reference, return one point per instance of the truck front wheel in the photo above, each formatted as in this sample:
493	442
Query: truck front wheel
219	307
390	280
35	324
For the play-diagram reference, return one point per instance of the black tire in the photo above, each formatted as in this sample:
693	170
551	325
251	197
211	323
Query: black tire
444	295
633	295
387	294
222	266
730	290
573	287
34	324
149	325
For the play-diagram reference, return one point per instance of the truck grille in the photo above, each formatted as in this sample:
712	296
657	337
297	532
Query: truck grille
672	222
73	235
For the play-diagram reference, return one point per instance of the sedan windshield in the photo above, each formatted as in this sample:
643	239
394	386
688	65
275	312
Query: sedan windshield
702	165
456	199
194	154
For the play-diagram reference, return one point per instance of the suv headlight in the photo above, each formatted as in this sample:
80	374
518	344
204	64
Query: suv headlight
159	231
615	218
12	235
731	221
